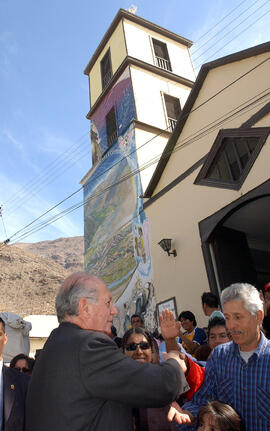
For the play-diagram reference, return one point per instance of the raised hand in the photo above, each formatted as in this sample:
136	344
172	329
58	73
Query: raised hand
169	327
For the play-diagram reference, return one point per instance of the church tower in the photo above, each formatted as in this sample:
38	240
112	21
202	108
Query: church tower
139	79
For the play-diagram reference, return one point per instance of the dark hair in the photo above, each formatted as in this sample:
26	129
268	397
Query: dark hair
216	321
3	324
156	334
210	299
138	330
136	315
224	415
18	357
187	315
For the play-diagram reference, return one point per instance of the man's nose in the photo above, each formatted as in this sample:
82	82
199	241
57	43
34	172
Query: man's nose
114	310
232	326
229	324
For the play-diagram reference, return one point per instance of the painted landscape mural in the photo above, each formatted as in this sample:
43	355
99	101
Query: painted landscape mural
116	230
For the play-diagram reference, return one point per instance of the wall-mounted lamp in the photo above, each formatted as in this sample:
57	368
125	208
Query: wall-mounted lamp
166	245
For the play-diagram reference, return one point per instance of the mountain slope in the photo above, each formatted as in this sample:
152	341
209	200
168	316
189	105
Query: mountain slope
29	282
67	252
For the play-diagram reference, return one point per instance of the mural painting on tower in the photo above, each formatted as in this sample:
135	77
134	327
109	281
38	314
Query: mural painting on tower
116	229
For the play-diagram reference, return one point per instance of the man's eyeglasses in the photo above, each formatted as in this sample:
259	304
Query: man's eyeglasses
133	346
107	302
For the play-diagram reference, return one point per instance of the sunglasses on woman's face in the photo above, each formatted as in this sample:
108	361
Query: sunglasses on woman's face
133	346
23	369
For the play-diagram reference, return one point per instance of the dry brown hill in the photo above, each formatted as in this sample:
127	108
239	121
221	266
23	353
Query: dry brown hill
67	252
29	282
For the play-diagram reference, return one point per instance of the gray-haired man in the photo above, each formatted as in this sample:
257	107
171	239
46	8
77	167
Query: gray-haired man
238	373
82	381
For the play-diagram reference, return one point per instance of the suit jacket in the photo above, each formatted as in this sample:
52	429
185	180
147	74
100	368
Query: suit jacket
83	382
14	393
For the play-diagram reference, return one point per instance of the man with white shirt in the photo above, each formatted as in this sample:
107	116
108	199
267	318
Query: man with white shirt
13	389
238	373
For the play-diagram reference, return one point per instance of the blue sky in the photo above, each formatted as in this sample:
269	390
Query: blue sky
44	135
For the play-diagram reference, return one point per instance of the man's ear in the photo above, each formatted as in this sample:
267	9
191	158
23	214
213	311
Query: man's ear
83	306
5	338
260	316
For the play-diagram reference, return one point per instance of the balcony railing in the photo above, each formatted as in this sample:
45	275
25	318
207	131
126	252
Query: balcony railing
172	123
112	138
163	63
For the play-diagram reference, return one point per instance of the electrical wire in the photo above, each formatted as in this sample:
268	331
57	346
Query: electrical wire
155	160
1	215
149	163
41	185
221	30
35	186
199	106
239	34
62	159
230	31
222	19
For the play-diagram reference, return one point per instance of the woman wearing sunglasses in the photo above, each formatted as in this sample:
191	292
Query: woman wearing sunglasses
22	363
140	346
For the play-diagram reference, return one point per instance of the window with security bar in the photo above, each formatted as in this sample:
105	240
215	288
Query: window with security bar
111	127
162	59
173	110
106	69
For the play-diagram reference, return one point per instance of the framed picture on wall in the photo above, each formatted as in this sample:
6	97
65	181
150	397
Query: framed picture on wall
170	304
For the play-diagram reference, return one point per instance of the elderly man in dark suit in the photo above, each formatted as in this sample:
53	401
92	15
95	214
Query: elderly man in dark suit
13	389
82	381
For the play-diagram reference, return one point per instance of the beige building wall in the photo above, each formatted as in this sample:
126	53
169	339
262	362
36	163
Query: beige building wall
177	213
35	344
205	120
148	91
139	45
149	148
117	45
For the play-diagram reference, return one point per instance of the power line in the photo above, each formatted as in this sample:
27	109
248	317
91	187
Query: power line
199	106
62	159
229	32
226	27
156	159
35	186
222	19
247	28
39	186
148	164
1	215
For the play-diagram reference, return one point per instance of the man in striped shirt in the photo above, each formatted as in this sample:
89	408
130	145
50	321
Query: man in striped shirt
238	373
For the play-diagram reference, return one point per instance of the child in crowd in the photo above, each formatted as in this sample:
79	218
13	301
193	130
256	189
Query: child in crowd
217	416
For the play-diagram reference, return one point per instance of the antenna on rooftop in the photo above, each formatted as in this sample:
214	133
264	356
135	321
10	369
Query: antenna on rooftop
132	9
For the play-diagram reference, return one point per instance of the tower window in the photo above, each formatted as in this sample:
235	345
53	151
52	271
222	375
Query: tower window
173	109
106	69
162	58
231	157
111	127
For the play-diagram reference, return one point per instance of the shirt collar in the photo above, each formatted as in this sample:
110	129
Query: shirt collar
260	348
1	365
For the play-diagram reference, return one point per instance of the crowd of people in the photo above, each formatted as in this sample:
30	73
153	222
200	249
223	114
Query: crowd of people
181	378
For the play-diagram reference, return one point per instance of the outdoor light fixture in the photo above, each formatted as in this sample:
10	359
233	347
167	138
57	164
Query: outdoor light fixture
166	244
